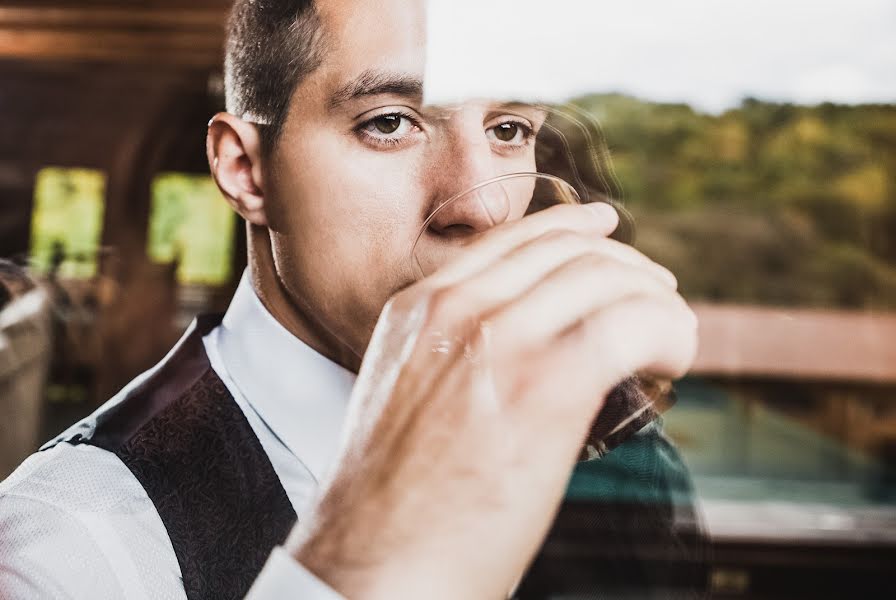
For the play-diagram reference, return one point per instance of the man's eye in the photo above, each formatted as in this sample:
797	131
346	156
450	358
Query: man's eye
389	130
510	132
391	124
387	123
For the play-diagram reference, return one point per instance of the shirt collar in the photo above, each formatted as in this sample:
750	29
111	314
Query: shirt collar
300	394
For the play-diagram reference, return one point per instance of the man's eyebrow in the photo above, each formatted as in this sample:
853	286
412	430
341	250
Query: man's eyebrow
371	83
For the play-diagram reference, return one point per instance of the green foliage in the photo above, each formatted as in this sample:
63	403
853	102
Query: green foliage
67	220
768	203
191	223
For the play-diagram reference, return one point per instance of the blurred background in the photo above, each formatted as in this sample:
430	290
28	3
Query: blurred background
775	206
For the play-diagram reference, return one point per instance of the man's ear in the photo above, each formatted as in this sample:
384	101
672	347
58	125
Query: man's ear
234	157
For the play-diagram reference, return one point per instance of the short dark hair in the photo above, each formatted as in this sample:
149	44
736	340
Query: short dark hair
271	46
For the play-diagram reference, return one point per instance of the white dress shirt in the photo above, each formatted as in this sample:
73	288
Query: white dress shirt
76	524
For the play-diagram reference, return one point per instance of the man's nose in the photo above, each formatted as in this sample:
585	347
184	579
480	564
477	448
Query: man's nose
469	162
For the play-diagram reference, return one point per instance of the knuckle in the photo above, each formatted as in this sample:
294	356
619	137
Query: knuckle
408	299
441	305
512	335
650	331
625	251
681	338
666	274
404	298
606	268
600	269
402	303
555	236
559	238
452	308
587	269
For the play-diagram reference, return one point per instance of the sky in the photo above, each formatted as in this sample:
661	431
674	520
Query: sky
709	53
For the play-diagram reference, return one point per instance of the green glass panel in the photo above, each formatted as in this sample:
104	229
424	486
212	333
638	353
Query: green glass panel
67	220
191	224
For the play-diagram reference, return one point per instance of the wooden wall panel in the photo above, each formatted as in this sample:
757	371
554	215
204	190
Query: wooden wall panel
130	121
157	33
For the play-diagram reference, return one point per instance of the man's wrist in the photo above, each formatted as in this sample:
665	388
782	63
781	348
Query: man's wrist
354	577
283	577
323	556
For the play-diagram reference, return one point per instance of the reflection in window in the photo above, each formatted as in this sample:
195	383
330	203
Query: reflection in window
765	203
67	221
778	220
192	225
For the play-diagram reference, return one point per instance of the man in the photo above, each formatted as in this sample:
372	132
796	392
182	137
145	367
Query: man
431	474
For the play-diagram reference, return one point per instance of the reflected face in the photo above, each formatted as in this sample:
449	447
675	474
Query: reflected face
362	163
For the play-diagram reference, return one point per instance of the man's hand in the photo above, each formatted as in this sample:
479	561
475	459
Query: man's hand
475	393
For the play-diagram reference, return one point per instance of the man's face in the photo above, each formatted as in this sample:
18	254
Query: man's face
361	164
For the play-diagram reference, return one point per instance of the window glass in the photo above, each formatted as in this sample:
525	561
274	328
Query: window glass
67	221
751	147
192	225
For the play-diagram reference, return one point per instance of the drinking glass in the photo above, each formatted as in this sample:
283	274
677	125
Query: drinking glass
632	404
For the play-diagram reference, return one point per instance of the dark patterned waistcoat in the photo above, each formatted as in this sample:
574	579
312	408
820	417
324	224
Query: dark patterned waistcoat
188	443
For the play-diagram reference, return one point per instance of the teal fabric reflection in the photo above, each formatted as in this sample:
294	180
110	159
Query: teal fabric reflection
628	528
646	468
